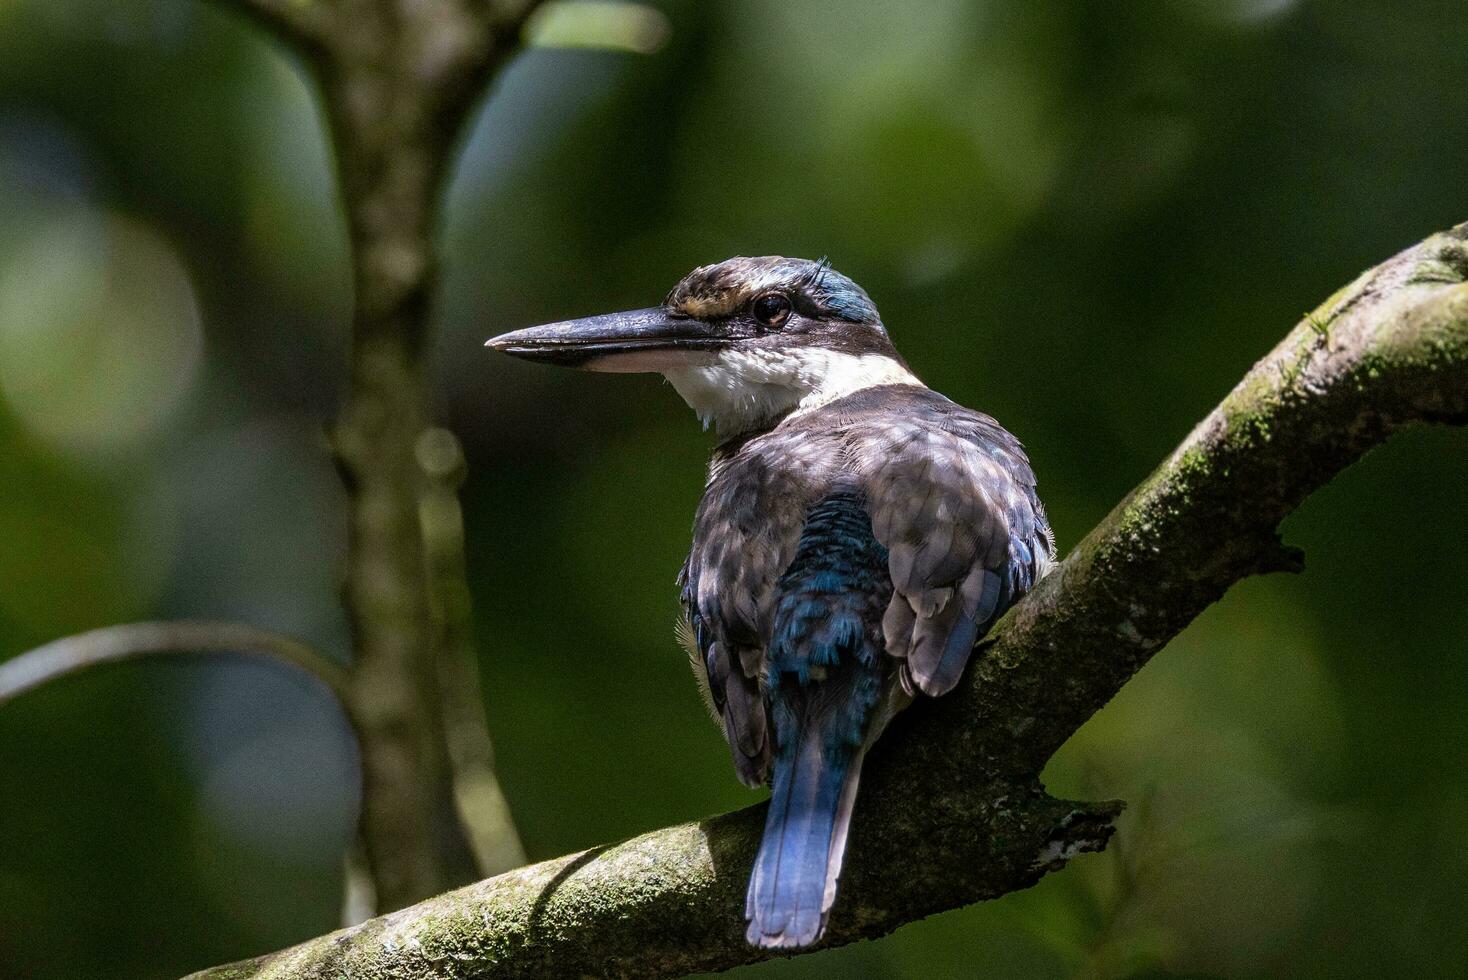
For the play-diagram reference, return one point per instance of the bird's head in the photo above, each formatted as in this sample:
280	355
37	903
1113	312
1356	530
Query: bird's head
745	341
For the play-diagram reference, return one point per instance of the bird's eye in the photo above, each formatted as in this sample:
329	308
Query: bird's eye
772	309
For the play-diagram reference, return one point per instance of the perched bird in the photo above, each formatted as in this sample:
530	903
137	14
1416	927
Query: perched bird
858	534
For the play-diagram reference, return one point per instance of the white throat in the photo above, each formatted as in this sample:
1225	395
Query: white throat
743	389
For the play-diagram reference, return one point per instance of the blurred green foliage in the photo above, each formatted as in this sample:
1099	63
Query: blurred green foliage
1087	218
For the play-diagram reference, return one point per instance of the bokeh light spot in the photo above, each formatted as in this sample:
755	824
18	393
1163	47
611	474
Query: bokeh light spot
100	337
609	25
1241	12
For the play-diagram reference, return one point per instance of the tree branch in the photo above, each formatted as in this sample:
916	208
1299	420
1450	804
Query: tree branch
397	83
114	644
136	641
951	810
398	80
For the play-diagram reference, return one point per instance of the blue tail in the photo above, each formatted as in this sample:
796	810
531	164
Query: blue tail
794	880
826	679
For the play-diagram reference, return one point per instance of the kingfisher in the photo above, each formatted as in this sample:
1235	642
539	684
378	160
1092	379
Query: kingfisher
857	535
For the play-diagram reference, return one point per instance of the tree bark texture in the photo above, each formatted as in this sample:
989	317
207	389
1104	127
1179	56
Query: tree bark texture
397	79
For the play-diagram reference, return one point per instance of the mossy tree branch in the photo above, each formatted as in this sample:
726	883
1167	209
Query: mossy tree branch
951	809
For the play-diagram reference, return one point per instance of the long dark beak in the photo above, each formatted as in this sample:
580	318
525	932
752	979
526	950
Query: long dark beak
638	340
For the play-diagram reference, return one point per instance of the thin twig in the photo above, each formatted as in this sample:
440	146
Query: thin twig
481	804
133	641
138	641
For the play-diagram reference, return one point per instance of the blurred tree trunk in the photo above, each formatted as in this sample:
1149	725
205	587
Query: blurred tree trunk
397	81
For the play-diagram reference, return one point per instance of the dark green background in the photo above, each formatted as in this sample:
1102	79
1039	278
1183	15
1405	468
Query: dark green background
1085	218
